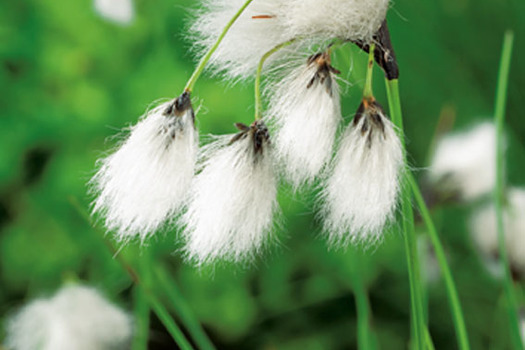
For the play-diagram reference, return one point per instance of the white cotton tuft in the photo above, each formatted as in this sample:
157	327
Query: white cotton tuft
120	11
360	195
305	106
143	183
258	30
233	199
465	163
76	317
356	20
483	226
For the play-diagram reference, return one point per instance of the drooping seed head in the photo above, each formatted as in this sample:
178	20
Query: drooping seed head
232	200
305	108
360	195
142	184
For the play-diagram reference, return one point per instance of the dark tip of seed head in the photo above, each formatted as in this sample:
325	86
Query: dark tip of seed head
260	135
324	72
371	116
179	106
257	131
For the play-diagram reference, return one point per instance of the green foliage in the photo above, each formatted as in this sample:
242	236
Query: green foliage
70	81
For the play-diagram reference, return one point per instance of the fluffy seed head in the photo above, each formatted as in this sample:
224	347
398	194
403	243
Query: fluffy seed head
120	11
464	164
306	110
233	199
360	196
143	183
258	30
75	318
356	20
484	231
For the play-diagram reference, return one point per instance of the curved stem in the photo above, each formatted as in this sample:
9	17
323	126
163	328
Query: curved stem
204	61
414	275
457	313
499	191
258	76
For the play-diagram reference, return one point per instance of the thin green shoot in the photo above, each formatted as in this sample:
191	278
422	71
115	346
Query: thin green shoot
455	305
414	275
499	191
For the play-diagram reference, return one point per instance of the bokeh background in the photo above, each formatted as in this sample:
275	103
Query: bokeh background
69	80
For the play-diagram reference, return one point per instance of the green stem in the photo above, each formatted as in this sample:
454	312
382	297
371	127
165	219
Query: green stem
182	308
457	313
414	275
168	322
499	191
364	334
204	61
368	92
363	319
148	285
258	76
428	340
142	309
142	320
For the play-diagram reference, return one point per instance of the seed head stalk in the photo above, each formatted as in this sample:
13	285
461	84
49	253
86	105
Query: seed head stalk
499	191
204	61
258	76
455	305
416	298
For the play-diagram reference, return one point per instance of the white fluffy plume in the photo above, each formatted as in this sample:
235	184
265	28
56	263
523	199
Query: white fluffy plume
305	106
258	30
345	19
75	318
233	199
484	231
465	163
360	196
143	183
120	11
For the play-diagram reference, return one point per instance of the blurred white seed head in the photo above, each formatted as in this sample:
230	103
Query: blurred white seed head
233	199
484	231
464	163
258	30
76	317
360	195
430	271
119	11
305	106
356	20
143	183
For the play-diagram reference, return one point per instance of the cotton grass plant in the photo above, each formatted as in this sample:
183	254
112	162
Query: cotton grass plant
223	195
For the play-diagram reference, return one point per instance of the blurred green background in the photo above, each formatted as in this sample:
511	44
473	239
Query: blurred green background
70	80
